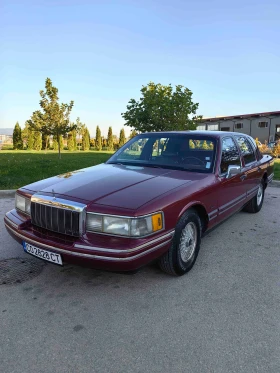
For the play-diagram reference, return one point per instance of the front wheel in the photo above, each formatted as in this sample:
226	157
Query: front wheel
256	202
185	245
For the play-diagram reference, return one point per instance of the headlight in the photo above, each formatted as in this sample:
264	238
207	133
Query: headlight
125	226
23	204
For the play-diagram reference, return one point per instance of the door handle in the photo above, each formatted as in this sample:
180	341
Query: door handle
259	169
243	177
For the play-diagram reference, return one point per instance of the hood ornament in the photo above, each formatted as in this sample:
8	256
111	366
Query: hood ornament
53	192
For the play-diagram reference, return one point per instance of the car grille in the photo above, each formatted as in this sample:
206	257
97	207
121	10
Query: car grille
55	219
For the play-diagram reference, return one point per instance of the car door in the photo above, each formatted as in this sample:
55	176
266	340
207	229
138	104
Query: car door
250	165
232	191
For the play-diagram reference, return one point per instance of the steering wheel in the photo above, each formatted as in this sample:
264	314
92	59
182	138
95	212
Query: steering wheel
197	159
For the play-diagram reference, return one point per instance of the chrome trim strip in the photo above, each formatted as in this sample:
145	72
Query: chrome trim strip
90	256
213	217
63	204
252	191
213	212
58	202
270	177
118	251
233	202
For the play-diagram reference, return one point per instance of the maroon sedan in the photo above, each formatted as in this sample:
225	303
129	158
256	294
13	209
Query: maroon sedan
151	201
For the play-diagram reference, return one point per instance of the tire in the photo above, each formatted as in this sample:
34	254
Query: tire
182	254
255	204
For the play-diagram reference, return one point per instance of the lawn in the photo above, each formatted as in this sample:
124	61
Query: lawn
277	169
18	168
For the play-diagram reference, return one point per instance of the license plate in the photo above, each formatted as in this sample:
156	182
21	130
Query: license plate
42	254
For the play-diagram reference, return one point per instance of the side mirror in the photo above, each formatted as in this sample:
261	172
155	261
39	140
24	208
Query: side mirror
232	171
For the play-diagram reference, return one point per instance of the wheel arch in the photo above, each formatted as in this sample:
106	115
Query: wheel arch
201	211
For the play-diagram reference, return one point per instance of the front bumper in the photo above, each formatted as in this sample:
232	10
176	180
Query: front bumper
123	254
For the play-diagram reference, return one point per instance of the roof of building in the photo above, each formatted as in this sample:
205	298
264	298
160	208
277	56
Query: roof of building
242	116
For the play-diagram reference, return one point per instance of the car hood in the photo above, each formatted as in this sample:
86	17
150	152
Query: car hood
113	185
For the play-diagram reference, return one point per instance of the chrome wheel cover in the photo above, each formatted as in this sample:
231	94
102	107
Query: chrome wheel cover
260	195
188	241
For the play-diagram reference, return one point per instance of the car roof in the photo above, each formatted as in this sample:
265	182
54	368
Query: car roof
216	134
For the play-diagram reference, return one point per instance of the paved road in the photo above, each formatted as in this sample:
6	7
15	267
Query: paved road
221	317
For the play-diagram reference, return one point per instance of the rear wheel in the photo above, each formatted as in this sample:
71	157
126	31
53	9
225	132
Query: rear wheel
183	251
256	202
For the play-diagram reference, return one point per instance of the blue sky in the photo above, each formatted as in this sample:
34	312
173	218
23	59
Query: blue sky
100	53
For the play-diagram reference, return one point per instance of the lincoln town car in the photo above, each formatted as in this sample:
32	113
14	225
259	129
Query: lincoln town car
152	201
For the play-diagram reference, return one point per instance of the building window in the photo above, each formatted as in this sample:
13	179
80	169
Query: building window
238	125
213	127
226	129
263	124
201	128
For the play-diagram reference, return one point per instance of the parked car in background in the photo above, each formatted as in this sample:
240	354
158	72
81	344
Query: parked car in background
151	201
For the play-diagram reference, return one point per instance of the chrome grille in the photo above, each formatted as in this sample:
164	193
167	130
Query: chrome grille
55	219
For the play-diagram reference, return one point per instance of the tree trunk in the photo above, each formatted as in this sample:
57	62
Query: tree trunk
58	140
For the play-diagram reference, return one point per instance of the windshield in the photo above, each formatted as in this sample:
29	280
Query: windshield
175	151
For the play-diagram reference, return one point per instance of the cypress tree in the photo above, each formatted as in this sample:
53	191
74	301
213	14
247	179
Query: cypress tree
133	133
110	141
122	138
85	140
98	143
17	140
74	134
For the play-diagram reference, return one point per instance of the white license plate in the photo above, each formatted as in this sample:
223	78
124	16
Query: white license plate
42	254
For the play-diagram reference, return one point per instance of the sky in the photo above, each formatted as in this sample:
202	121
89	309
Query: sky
100	53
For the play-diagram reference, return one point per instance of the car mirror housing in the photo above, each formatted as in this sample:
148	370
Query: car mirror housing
232	171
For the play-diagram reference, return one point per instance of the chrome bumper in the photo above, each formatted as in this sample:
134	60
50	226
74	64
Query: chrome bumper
138	251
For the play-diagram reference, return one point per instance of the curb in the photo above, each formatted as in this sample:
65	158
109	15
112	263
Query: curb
7	193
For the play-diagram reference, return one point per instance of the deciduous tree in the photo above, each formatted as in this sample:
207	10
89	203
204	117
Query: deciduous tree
37	145
133	133
53	118
161	108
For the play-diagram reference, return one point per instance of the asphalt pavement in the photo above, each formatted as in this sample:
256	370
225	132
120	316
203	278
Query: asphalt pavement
223	316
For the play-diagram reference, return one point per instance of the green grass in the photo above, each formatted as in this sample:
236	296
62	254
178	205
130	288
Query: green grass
18	168
277	169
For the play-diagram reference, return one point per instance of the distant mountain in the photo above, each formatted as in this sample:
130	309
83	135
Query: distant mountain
6	131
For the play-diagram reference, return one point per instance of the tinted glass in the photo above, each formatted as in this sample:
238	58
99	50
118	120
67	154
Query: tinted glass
246	149
186	152
230	154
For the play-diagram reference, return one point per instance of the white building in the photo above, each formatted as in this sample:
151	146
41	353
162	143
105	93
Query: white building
264	126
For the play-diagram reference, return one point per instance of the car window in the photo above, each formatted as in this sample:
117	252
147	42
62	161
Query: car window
246	148
179	151
230	154
134	151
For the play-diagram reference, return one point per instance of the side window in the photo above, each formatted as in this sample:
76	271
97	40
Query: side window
246	148
230	154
